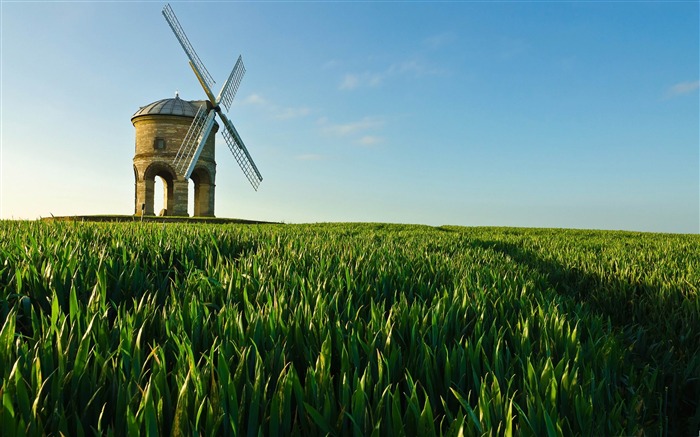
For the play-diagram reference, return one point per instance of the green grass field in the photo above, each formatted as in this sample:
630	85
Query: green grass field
346	329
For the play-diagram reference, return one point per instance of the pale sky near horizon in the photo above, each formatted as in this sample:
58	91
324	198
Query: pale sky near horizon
535	114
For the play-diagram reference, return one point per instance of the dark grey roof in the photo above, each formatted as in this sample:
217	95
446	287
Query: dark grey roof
174	106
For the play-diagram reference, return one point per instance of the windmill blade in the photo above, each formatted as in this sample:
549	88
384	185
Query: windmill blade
202	139
237	148
202	74
228	91
191	147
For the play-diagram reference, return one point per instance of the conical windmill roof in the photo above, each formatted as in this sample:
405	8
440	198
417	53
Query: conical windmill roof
172	106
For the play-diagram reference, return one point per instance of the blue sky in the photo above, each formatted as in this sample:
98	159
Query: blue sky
537	114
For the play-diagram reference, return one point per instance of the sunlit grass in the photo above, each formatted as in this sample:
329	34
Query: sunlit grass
346	329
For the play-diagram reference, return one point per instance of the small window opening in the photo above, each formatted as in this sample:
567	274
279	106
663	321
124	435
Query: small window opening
159	144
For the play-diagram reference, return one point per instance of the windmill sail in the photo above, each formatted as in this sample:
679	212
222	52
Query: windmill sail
193	143
228	91
197	64
239	151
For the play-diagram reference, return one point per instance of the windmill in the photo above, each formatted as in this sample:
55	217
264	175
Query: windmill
201	126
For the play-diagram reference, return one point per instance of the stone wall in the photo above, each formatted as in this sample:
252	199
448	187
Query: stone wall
158	138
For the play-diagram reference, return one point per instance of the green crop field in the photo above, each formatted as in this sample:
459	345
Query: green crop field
346	329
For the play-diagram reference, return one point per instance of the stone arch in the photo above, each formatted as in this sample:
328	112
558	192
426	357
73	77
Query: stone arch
175	191
203	192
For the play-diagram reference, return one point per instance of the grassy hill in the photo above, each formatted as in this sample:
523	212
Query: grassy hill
346	329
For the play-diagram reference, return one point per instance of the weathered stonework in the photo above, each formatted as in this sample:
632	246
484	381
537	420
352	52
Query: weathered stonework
160	129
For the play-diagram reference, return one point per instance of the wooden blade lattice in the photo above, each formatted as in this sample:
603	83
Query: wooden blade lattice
239	151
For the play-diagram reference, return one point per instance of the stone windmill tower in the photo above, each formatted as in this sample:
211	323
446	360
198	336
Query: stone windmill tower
160	129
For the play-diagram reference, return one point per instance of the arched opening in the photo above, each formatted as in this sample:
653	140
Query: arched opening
203	193
190	198
160	196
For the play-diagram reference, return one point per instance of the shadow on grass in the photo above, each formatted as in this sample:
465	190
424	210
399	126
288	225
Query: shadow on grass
640	313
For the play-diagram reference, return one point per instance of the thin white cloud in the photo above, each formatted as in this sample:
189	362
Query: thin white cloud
682	88
412	67
351	128
278	112
350	81
254	99
366	79
374	79
369	140
287	113
415	68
